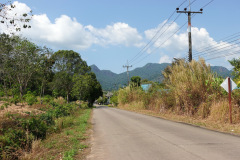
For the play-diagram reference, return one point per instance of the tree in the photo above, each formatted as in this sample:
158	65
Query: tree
67	63
102	100
6	46
135	81
44	74
236	70
19	60
86	87
13	19
25	62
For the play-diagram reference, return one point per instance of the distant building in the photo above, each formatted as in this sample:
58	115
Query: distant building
146	87
109	95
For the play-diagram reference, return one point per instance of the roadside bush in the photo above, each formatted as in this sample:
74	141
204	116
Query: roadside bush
46	99
13	140
1	93
187	81
15	99
36	127
123	95
114	99
30	98
17	132
47	118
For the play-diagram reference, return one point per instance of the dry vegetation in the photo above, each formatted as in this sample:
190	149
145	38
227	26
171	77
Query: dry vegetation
52	130
192	94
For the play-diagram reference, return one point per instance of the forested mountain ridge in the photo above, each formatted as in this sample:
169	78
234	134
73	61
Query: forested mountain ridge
151	71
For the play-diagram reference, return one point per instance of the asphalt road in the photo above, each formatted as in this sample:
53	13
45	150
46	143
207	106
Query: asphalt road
123	135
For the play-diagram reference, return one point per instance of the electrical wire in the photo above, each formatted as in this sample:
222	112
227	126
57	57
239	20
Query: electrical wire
144	48
207	4
191	3
161	43
225	55
159	35
226	50
203	49
217	48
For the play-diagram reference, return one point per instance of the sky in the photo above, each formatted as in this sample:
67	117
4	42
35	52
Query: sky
110	33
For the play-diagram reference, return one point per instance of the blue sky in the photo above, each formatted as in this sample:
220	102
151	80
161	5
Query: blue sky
107	33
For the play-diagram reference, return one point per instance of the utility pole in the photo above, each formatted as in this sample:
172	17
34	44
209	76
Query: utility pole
127	66
189	28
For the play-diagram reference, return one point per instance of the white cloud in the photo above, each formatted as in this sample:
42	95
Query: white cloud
177	46
165	59
118	33
63	33
68	33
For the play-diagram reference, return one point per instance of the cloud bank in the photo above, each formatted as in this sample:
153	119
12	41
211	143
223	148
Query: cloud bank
67	33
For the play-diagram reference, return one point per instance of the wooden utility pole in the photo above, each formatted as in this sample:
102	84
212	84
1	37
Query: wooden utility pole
189	13
127	66
230	99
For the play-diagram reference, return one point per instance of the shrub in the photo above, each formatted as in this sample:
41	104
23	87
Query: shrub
123	95
47	118
6	105
1	93
15	99
12	140
47	99
35	126
187	81
30	98
114	99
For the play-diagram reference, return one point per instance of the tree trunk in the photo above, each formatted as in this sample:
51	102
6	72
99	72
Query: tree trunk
67	97
41	90
5	88
21	92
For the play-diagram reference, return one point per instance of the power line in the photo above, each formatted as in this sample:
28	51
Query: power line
144	48
225	55
191	3
159	36
194	14
161	44
207	4
226	50
209	47
127	66
218	48
189	13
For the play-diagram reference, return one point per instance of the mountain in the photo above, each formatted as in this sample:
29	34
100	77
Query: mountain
151	71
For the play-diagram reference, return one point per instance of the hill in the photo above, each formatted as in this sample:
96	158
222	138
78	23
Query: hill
151	71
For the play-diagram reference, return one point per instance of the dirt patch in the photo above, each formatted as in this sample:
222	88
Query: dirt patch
23	109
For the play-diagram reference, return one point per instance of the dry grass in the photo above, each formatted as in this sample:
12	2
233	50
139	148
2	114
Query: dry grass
60	100
22	109
188	83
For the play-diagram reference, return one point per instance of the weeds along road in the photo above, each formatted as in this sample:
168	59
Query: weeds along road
123	135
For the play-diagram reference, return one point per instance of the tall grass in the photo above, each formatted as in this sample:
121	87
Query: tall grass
191	89
188	82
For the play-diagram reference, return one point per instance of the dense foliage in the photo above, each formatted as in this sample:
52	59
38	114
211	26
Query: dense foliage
25	67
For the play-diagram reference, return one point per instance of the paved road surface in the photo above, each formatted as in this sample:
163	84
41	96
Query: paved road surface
123	135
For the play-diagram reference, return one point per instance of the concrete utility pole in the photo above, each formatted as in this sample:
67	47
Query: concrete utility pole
127	66
189	28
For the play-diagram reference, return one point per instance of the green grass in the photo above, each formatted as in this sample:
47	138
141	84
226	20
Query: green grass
66	144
